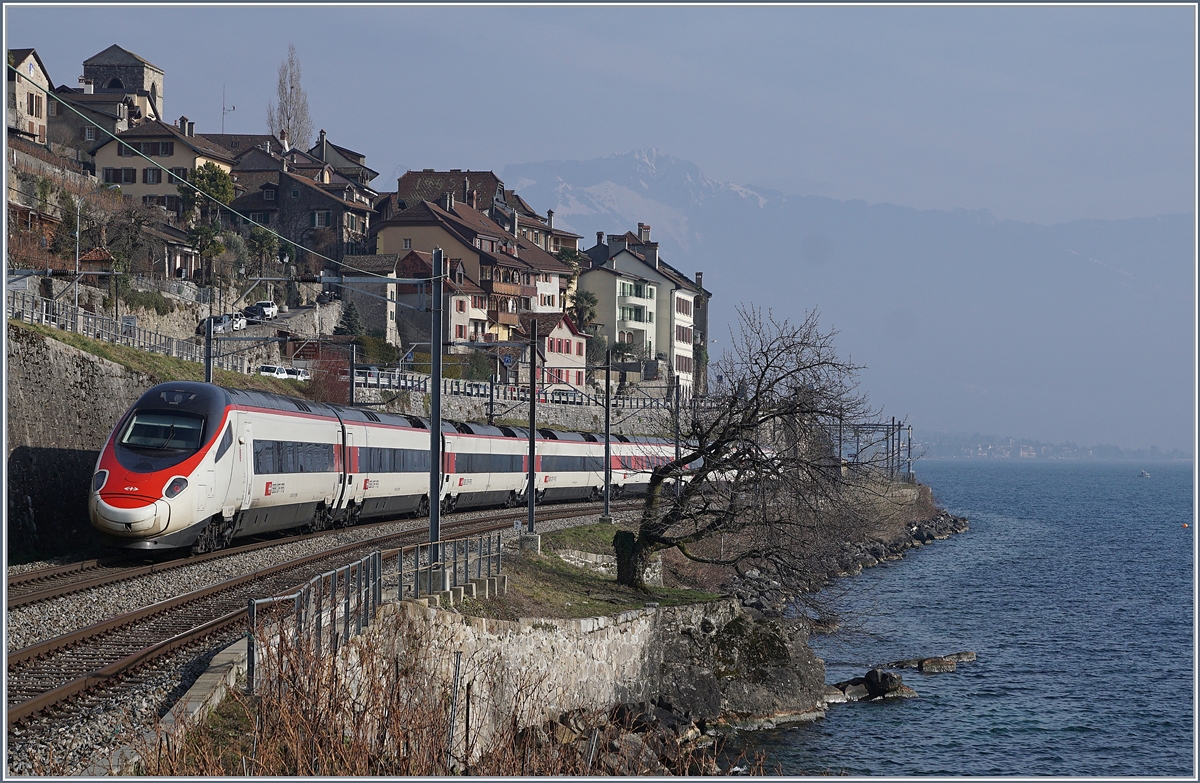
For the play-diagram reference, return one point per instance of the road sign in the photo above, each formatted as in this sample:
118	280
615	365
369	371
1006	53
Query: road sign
409	357
507	360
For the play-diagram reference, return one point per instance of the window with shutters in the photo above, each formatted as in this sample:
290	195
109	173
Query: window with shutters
408	244
460	305
151	176
166	149
460	331
319	218
52	108
178	175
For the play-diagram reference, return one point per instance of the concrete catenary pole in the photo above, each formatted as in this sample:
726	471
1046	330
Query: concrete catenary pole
532	491
435	409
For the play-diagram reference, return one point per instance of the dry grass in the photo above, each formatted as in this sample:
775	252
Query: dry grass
400	714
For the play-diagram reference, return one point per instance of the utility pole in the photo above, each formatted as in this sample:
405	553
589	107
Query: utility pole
607	518
677	450
208	350
492	400
435	410
353	361
532	491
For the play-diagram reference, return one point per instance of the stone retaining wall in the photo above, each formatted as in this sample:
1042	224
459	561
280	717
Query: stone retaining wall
62	403
710	661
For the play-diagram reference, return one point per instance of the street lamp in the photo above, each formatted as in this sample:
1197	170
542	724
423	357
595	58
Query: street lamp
78	211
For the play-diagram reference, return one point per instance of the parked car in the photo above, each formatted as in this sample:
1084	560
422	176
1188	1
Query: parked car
271	371
297	374
237	321
255	314
221	324
269	307
324	297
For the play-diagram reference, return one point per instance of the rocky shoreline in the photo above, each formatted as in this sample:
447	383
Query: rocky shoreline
767	597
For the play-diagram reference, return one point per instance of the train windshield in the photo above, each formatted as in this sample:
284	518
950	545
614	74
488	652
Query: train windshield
156	440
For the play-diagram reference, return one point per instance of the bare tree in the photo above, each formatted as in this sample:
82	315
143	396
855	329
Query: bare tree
760	483
290	114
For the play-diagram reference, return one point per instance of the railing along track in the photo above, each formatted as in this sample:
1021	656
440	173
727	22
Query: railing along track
56	670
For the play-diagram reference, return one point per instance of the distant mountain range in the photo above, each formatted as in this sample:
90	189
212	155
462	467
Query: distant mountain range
1079	331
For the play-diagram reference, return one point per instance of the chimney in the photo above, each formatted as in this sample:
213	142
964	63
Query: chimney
650	249
284	140
86	85
700	280
321	143
549	218
616	243
191	129
514	233
473	199
182	125
466	190
644	232
599	239
268	147
448	201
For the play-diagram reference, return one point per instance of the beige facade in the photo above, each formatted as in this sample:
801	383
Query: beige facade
28	102
142	176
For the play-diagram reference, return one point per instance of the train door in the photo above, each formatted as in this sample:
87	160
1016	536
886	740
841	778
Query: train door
245	464
223	471
354	479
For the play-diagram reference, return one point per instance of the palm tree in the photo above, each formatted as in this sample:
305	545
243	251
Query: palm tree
583	308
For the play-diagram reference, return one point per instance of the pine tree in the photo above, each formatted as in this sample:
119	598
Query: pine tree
350	324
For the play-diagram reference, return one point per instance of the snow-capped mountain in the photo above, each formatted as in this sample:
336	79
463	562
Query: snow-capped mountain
1076	331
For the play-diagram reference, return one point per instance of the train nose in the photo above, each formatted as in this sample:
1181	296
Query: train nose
145	517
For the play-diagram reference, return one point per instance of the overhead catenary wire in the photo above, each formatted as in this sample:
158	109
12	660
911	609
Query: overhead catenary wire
138	153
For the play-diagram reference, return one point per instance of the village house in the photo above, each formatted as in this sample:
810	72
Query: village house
28	84
650	305
304	212
563	362
136	160
464	305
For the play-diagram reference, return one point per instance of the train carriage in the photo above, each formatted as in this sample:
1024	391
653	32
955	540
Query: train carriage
195	465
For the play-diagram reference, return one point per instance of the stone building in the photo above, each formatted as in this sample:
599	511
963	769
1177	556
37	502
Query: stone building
376	303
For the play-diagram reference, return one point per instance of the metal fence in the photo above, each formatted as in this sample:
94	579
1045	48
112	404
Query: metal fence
34	309
361	592
429	574
400	380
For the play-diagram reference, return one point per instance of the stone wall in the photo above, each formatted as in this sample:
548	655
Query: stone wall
62	404
711	662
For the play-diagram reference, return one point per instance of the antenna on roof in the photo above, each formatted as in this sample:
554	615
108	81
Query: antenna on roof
224	111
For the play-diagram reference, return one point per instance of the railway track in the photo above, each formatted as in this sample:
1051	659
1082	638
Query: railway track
54	672
48	583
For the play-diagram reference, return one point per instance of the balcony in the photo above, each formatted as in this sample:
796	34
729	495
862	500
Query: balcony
503	317
508	289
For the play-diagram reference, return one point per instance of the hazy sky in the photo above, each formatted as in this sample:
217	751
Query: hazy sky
1036	113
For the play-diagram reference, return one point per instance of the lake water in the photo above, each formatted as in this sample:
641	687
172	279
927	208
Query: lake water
1074	586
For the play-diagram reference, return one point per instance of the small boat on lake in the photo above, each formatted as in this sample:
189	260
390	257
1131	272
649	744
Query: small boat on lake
1145	474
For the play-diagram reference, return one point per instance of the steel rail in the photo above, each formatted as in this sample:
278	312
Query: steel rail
22	710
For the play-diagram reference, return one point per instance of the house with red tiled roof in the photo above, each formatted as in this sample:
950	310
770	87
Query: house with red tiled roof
464	305
516	275
563	365
307	214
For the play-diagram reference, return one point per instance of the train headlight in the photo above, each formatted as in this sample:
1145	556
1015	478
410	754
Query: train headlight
99	480
177	485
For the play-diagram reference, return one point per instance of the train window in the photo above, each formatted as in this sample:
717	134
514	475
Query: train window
164	431
279	456
226	442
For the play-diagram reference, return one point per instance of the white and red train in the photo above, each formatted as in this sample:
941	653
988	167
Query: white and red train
196	465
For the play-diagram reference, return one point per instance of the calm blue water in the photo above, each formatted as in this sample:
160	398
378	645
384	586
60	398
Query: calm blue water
1074	586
